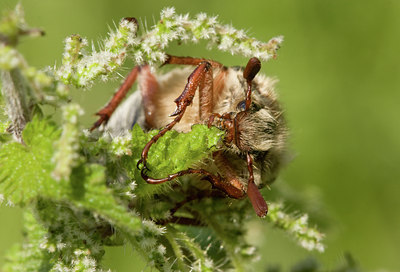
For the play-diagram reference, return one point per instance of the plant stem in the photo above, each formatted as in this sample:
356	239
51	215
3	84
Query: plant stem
14	92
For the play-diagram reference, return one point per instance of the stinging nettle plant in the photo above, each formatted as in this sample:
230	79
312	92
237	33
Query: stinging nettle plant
82	191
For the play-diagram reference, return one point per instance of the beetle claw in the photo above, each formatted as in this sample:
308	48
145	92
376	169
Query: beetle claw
138	164
144	167
102	120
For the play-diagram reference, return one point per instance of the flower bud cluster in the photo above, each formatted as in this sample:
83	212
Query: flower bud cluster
81	69
306	236
66	155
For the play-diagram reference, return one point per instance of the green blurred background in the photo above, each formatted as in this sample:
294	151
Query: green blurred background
339	72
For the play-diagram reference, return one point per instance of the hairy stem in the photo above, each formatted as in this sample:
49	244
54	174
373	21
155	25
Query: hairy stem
14	92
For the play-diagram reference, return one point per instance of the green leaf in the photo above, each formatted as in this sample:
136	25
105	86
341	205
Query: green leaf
89	191
177	251
226	218
29	256
25	169
58	238
201	261
175	151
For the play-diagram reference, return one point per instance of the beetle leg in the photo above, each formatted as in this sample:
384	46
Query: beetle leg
211	118
213	86
185	99
206	90
206	85
148	87
256	199
216	180
106	112
233	187
230	183
190	61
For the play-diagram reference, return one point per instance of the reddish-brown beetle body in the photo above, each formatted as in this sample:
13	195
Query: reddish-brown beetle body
232	99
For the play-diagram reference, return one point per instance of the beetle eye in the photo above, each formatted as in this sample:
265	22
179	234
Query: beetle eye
241	106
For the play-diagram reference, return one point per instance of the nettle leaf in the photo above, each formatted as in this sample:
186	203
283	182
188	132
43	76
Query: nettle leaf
25	169
172	152
178	151
180	241
89	191
29	256
57	239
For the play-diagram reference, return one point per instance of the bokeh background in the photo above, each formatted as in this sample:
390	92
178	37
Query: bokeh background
339	72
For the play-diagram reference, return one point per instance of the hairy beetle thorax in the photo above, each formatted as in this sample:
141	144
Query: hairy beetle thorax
262	126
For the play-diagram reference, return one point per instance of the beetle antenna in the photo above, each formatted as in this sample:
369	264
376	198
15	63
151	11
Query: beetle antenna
251	70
